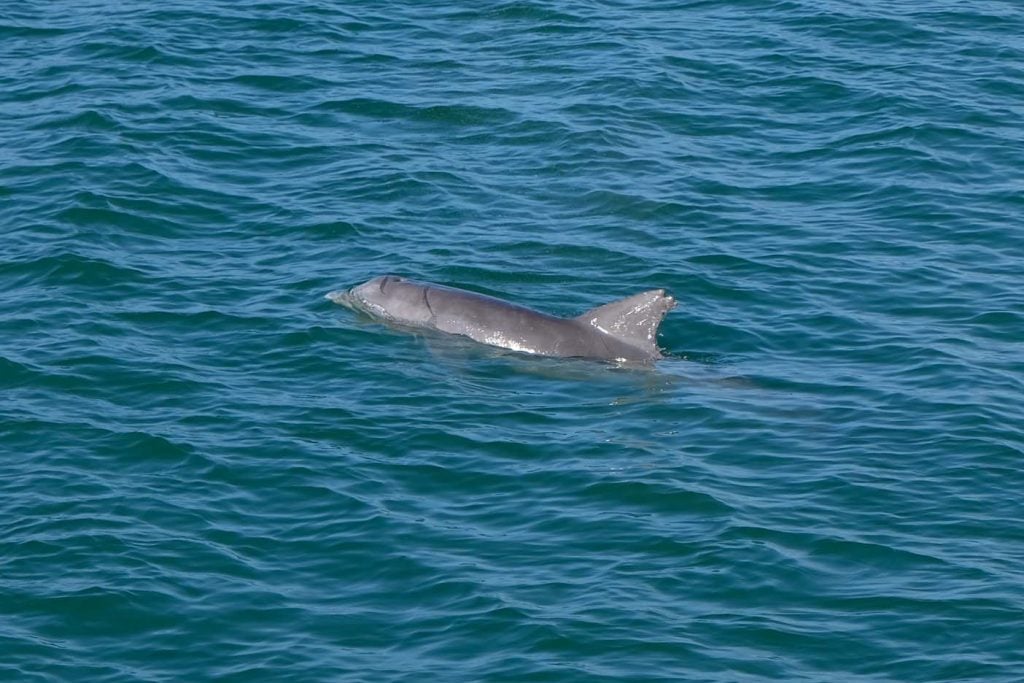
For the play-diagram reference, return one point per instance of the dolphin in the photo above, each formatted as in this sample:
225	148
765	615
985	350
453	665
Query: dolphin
623	330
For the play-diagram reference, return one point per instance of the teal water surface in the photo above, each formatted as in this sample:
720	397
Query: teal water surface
208	472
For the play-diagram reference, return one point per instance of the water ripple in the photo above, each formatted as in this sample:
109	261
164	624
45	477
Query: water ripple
211	472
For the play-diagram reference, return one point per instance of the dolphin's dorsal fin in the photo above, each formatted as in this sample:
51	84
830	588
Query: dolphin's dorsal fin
633	320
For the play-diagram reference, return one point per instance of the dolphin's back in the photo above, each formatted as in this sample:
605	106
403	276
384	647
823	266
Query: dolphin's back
493	321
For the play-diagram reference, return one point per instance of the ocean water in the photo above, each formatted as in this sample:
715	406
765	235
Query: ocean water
210	473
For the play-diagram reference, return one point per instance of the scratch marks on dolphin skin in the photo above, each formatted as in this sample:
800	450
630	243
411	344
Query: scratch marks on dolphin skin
507	343
426	302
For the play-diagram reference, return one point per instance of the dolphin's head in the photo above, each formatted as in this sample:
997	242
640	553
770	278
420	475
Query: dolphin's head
388	297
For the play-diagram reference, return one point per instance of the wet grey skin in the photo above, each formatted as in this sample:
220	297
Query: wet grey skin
623	330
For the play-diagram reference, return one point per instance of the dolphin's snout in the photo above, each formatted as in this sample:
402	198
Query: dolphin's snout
338	296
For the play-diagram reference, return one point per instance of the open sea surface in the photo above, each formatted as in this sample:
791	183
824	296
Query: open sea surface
208	472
